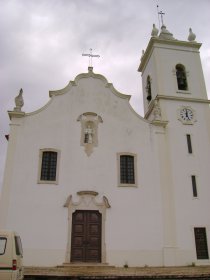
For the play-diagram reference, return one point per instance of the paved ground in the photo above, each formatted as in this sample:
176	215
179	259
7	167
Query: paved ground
110	272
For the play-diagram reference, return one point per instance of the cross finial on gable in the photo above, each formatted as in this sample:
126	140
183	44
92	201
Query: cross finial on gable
90	56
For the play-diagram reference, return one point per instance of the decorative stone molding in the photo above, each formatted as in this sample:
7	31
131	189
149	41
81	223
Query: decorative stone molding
89	130
87	201
155	31
19	102
192	36
160	123
88	75
87	192
157	111
16	114
165	34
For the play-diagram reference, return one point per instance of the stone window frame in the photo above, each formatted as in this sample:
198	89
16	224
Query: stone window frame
41	151
135	169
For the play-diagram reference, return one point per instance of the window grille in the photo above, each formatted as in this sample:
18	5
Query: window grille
127	175
201	243
49	164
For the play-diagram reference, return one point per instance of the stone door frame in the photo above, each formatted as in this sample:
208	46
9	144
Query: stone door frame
87	201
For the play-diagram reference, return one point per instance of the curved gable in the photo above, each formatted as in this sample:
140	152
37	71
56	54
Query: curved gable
77	83
90	74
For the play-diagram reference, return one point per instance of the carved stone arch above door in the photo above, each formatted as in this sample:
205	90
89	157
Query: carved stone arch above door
87	202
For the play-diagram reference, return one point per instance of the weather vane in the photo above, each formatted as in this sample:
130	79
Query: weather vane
90	56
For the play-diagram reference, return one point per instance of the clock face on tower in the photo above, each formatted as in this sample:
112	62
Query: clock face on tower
186	115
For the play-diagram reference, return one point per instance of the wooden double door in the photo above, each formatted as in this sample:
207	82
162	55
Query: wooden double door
86	236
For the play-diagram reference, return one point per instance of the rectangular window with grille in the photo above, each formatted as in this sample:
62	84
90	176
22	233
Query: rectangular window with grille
127	172
201	243
48	167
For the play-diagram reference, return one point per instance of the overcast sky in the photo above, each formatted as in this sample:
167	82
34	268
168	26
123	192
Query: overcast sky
42	42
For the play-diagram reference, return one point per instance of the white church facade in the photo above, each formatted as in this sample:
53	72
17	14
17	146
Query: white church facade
88	180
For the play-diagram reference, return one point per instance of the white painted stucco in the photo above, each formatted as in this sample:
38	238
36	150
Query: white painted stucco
149	224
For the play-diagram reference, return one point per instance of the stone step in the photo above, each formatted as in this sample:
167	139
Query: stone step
111	271
90	266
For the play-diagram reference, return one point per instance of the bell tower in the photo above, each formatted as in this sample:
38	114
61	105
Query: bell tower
175	101
171	69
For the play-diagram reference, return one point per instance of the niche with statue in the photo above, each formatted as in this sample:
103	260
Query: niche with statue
89	131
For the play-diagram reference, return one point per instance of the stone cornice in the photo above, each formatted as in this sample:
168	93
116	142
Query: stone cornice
174	98
90	197
16	114
87	193
156	42
186	99
159	123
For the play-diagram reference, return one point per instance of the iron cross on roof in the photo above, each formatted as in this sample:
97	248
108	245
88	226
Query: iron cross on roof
90	56
161	14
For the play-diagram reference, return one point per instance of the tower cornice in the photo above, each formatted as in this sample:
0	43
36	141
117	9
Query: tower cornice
180	98
174	98
157	42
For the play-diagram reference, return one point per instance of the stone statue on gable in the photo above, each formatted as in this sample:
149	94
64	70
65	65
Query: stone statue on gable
19	102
